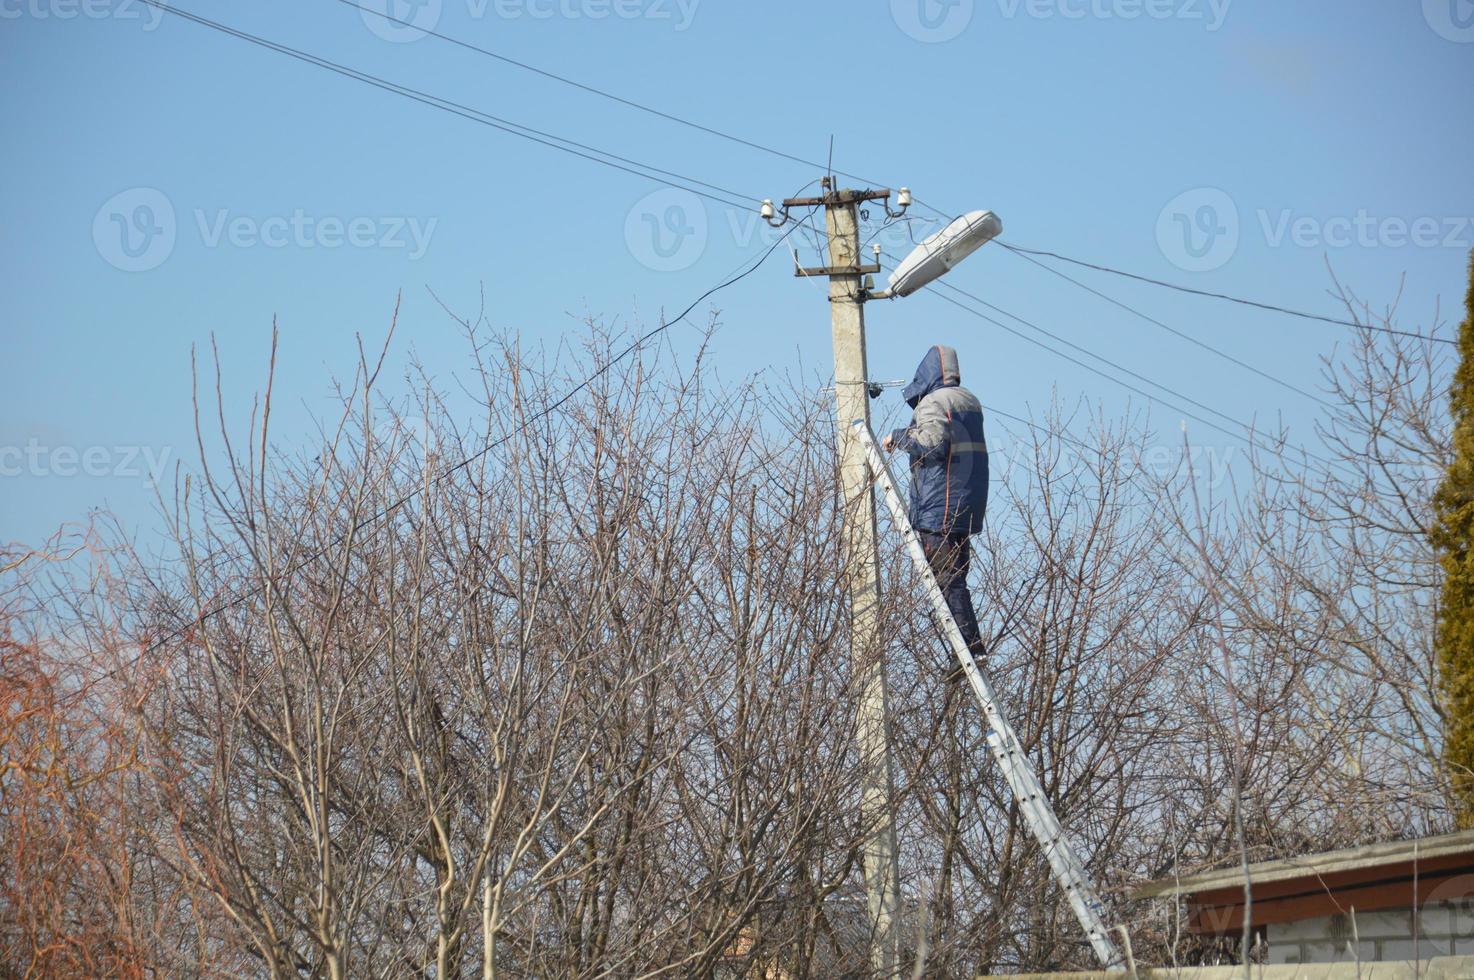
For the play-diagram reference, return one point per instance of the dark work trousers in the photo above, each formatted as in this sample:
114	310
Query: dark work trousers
950	555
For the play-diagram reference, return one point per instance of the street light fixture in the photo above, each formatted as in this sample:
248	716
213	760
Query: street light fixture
938	254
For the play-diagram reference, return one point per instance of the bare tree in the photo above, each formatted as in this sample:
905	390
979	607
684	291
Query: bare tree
565	689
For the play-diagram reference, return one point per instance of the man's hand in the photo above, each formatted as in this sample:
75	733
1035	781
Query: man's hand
889	442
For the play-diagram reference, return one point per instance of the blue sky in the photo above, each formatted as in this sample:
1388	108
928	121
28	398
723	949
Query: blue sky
166	183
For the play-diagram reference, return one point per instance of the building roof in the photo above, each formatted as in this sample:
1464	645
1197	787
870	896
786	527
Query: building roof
1374	876
1328	862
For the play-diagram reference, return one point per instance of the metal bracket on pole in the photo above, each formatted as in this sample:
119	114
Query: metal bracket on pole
804	272
1068	869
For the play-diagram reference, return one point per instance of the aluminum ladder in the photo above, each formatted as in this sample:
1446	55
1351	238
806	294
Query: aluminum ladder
1068	869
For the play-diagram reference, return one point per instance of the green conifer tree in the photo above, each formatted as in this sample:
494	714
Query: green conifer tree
1453	537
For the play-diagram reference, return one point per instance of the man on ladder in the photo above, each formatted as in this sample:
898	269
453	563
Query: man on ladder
949	479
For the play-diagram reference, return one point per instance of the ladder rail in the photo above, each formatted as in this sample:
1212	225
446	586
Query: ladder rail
1035	807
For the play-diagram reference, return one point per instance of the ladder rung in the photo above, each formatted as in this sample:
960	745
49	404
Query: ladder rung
1025	786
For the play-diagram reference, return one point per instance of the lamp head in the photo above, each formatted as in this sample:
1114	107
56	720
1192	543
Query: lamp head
938	254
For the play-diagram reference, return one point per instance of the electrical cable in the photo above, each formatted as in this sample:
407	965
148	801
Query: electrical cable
475	115
1247	439
1073	346
671	117
1175	332
1224	296
602	93
236	600
1094	370
557	142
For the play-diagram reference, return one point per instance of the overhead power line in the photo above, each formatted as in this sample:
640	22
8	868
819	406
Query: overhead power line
1224	296
827	168
629	103
650	172
1155	399
1175	332
942	283
596	155
1246	436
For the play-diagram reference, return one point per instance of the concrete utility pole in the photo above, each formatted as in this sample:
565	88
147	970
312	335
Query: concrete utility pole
862	568
860	456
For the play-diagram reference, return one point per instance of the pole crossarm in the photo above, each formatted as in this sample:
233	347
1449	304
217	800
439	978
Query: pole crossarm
838	198
1004	745
836	270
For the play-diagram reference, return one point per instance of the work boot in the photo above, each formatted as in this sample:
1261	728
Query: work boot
954	673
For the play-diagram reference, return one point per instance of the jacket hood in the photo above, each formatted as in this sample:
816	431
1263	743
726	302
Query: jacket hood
938	369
